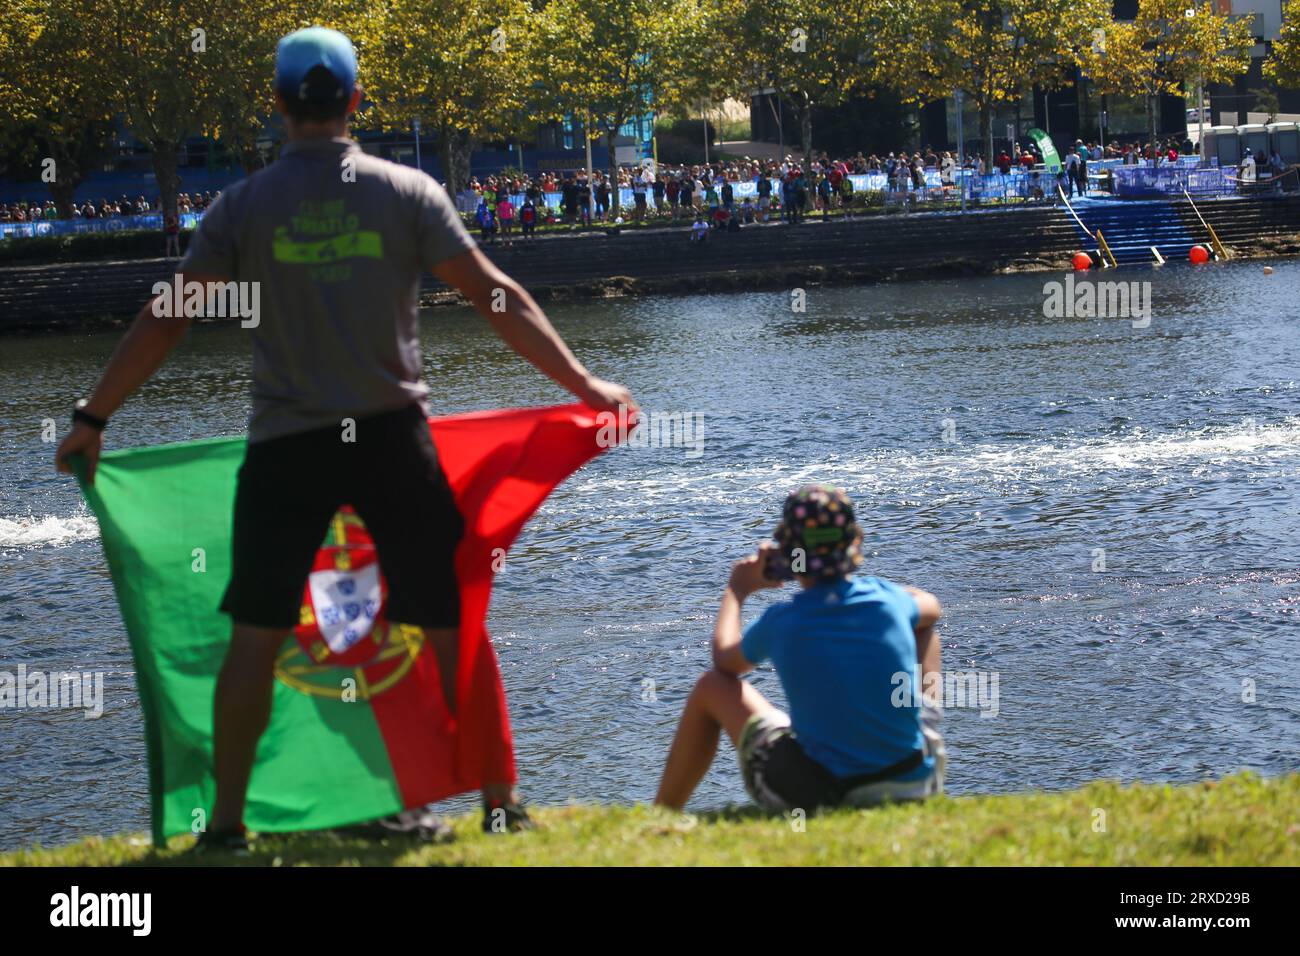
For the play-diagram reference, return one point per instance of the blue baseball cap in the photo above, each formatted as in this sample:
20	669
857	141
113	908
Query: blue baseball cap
302	51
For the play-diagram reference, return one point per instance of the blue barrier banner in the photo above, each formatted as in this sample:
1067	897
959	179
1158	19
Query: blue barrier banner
1171	180
72	227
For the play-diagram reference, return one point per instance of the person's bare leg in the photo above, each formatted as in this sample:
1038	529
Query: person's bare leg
241	711
720	701
445	642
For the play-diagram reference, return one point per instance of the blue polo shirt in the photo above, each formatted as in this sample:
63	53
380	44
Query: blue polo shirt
837	648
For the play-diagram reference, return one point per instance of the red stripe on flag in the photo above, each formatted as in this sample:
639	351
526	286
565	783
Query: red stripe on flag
501	466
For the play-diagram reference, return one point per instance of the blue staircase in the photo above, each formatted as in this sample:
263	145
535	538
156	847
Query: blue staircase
1131	227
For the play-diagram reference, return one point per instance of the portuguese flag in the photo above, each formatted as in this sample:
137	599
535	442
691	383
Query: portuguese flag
359	728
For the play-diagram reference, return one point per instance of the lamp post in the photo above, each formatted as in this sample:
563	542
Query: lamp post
704	115
416	124
961	151
1200	100
591	179
1200	117
654	141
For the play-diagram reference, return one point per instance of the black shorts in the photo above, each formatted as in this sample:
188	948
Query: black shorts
780	775
290	488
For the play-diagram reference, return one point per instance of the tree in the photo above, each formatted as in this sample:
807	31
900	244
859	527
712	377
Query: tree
154	59
182	68
56	108
244	59
993	50
1169	44
608	63
811	56
1283	65
465	70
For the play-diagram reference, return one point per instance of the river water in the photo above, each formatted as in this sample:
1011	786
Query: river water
1108	514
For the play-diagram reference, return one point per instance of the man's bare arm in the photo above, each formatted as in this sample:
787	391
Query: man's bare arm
746	578
146	344
522	325
727	655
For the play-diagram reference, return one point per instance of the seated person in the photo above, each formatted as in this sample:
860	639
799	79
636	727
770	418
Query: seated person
843	648
699	231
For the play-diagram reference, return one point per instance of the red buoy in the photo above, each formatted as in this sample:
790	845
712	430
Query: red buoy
1199	255
1082	262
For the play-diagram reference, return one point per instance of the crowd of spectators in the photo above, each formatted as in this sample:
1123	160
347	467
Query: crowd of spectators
38	211
705	195
699	193
507	205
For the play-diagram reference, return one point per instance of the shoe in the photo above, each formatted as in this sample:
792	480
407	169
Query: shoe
502	817
419	823
232	842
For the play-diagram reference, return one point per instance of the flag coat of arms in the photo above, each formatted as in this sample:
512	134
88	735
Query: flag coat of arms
359	727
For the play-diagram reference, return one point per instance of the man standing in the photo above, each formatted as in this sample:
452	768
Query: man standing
638	198
1246	174
1071	171
569	199
764	196
335	241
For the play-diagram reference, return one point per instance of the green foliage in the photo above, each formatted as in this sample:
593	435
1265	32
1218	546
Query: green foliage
1283	66
1170	44
54	103
1164	49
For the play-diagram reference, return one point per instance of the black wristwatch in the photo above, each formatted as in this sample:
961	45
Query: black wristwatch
83	417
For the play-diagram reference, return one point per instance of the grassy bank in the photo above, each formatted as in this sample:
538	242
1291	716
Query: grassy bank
1242	820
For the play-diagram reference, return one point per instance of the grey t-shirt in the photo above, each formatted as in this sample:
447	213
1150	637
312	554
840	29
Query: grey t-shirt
337	241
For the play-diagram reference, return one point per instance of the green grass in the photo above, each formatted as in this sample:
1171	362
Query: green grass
1243	820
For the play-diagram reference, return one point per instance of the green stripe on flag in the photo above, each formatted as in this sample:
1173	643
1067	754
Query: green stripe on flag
164	515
